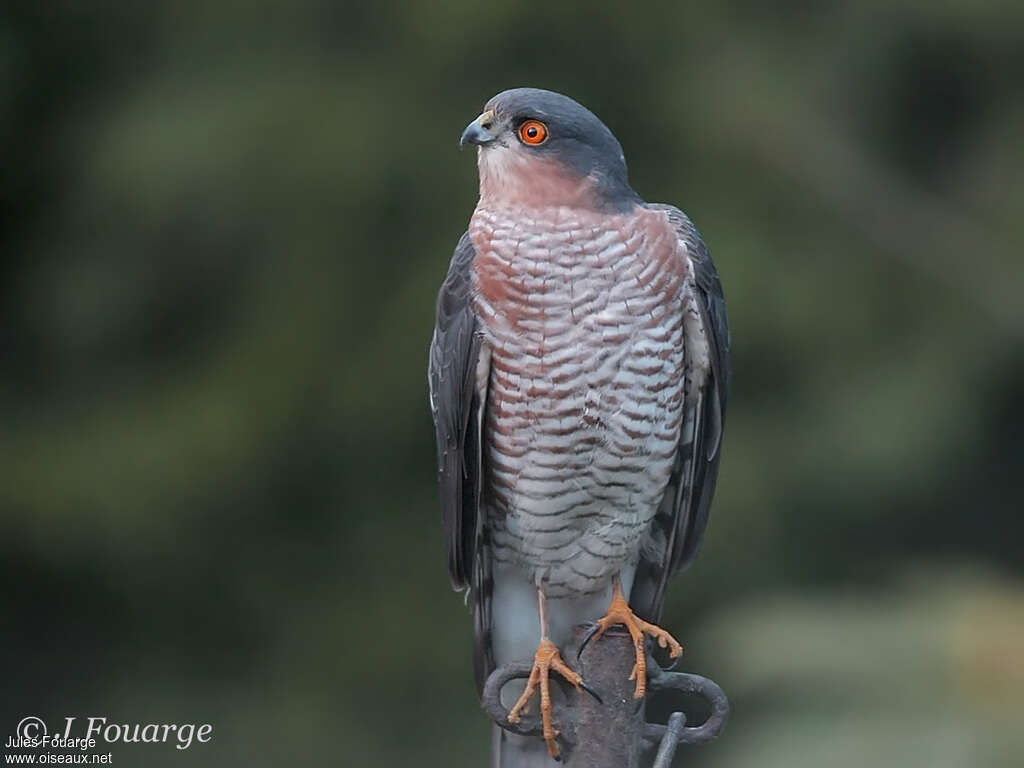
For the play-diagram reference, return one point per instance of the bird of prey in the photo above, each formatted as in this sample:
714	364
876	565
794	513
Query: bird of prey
578	375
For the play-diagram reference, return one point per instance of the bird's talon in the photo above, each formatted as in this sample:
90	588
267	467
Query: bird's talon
591	634
591	691
619	612
546	660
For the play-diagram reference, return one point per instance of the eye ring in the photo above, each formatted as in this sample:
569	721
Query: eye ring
533	132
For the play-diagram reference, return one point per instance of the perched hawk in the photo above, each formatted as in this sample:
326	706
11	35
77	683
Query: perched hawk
578	376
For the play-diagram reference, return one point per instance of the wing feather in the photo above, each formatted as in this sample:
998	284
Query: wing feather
455	404
458	373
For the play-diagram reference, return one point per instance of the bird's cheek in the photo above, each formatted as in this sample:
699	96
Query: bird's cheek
500	166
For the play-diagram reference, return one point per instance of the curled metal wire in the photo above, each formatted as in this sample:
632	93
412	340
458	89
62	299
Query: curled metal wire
663	680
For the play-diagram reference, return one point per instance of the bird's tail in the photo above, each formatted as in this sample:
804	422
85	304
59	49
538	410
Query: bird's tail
511	751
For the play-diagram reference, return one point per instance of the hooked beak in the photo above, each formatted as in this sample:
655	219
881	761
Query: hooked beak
478	132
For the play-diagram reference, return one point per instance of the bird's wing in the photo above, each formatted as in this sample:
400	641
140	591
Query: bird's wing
678	528
458	375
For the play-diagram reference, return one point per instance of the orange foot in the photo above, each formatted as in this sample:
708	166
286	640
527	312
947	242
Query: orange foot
619	612
546	659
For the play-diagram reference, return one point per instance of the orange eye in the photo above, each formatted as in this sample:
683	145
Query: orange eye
533	132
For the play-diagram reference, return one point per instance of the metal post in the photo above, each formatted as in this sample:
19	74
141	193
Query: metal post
608	733
612	732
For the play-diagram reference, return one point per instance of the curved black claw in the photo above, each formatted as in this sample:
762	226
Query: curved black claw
591	691
589	636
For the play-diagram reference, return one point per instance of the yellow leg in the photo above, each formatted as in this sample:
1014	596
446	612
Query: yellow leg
546	660
619	612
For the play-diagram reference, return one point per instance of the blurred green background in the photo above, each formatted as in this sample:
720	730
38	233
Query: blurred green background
222	228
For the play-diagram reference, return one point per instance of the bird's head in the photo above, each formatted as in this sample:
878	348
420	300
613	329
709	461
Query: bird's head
539	149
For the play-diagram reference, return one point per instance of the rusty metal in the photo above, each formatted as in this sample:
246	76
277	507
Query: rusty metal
612	732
